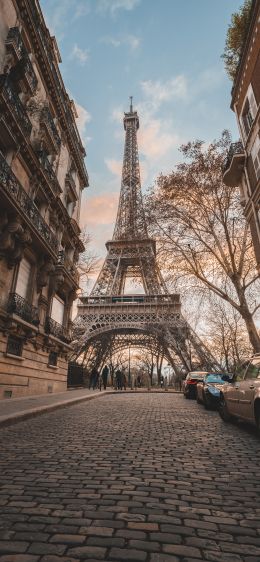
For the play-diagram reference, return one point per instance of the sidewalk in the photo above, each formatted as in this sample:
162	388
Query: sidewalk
13	410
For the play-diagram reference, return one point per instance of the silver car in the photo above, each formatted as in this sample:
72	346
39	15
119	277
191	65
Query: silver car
241	398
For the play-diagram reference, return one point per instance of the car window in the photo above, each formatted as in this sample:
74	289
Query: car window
253	369
195	376
221	379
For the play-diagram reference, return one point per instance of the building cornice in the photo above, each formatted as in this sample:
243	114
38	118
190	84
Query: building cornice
255	10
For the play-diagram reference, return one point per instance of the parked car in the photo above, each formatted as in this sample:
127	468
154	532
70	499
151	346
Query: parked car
208	391
191	381
241	398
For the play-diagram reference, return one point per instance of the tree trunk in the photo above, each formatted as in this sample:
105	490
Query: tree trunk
251	328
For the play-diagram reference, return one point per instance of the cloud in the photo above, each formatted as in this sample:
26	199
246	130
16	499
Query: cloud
158	92
114	166
131	41
155	140
82	120
82	9
79	54
114	6
99	210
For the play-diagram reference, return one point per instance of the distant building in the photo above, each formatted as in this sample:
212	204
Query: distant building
42	174
242	167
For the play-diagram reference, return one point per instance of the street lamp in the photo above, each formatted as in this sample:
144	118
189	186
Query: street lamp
129	374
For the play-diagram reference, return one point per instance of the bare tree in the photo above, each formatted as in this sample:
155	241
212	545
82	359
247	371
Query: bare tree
203	236
146	360
227	335
88	262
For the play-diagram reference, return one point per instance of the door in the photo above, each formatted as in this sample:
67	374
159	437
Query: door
247	390
231	393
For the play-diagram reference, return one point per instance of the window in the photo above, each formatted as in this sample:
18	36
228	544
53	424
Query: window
14	346
57	310
253	369
249	111
24	278
53	358
256	156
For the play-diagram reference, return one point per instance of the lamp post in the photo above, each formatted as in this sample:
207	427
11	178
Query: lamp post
129	374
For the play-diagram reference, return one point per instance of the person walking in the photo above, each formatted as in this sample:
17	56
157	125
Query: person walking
118	380
93	378
105	372
124	381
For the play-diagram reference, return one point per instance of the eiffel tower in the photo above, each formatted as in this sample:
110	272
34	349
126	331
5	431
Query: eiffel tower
109	319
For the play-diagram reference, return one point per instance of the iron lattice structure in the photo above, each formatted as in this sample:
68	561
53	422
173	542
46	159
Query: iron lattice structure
109	319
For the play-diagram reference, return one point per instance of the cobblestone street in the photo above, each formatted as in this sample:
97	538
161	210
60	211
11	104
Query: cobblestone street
130	477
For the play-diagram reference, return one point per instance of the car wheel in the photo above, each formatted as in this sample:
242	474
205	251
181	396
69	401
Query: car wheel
223	411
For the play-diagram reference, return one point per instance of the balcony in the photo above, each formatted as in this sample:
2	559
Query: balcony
57	330
14	105
68	266
12	188
234	165
45	52
21	307
70	183
51	134
49	172
15	46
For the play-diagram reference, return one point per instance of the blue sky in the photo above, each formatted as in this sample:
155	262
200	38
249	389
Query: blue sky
167	55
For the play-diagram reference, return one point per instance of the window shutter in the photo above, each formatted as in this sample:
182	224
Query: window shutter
57	310
252	102
23	279
256	156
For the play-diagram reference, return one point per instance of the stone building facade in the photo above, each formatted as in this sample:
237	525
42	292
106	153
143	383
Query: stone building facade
42	175
242	167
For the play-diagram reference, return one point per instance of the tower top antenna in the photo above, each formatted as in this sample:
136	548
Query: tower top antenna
131	104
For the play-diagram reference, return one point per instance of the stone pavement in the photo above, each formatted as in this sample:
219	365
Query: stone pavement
129	477
16	409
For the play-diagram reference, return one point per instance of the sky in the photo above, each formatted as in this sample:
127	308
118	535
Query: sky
167	54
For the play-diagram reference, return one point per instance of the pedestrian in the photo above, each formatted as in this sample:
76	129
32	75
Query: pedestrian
161	381
105	372
118	380
124	381
93	378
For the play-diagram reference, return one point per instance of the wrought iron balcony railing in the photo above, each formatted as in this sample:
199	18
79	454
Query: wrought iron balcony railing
48	122
13	188
15	45
68	265
15	105
235	149
55	329
48	170
18	305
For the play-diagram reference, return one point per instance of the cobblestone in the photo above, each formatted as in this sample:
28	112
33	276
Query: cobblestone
141	478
